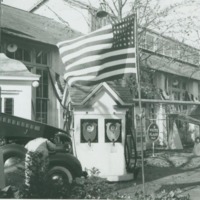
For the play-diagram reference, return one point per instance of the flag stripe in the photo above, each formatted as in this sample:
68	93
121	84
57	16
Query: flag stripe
124	66
93	44
100	42
101	31
105	71
86	42
86	50
100	67
107	52
96	56
91	62
94	78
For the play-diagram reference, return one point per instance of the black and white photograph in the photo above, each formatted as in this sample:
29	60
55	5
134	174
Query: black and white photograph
100	99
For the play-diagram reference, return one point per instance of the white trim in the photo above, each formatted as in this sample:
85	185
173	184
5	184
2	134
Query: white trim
7	92
19	78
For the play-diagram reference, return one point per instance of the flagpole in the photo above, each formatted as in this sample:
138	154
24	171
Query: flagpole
139	94
0	27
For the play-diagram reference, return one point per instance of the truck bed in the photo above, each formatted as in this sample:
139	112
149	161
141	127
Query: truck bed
12	127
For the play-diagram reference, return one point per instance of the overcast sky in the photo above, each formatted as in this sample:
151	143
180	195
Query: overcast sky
77	21
27	4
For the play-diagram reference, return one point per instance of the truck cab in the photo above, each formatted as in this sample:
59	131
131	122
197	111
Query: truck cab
16	132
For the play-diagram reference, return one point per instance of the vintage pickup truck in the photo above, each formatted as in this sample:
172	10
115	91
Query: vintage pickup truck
15	132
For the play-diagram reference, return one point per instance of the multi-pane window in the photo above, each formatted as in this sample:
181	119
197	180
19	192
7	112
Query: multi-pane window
37	61
175	50
199	90
9	106
183	53
42	96
159	45
195	57
189	53
41	57
166	84
142	39
178	90
167	48
19	54
150	42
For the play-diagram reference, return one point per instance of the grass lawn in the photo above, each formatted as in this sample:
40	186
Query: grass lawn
169	170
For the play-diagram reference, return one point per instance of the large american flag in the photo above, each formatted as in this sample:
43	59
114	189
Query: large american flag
102	55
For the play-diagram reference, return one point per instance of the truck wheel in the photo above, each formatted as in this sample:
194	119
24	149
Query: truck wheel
61	179
59	173
13	154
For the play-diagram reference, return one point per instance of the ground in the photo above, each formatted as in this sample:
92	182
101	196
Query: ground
169	170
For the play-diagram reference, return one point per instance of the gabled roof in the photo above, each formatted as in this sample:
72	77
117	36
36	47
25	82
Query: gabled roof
34	27
80	94
14	68
170	65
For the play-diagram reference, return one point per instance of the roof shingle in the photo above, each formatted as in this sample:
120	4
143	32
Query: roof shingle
79	92
34	27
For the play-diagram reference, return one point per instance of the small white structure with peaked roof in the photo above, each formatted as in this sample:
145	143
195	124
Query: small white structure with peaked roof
99	131
16	87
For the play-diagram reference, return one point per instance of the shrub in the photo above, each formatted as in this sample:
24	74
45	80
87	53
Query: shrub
35	180
7	192
37	184
94	187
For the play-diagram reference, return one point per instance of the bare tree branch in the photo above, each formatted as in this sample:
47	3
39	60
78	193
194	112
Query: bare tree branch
75	8
58	16
110	8
123	4
114	4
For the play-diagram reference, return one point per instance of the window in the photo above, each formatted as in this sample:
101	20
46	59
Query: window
175	50
9	106
189	55
183	54
141	38
41	57
167	48
160	45
195	57
150	42
178	90
37	61
20	54
42	96
166	83
199	90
